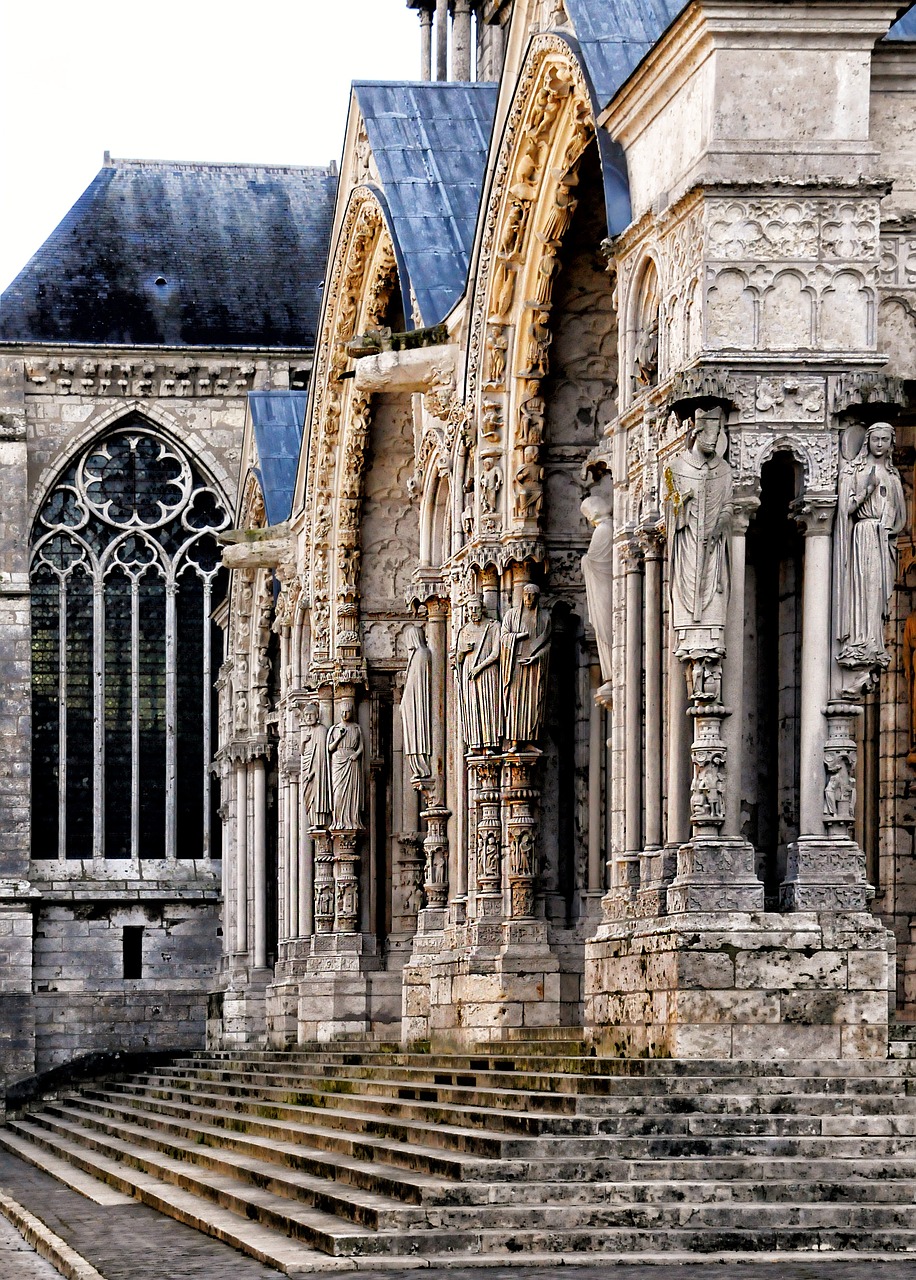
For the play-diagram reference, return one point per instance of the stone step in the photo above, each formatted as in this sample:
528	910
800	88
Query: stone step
260	1242
294	1086
670	1068
291	1087
454	1123
504	1228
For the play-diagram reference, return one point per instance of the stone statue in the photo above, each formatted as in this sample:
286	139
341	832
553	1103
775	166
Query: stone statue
647	355
698	486
598	572
491	481
345	757
707	795
476	662
416	706
316	786
871	511
525	650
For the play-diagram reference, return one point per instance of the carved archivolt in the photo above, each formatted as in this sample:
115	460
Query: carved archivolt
528	212
361	281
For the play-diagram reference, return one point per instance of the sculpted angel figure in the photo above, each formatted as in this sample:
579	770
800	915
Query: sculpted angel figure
871	511
476	662
699	491
525	650
345	757
316	784
416	706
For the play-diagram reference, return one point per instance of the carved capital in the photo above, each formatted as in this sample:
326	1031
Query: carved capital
814	513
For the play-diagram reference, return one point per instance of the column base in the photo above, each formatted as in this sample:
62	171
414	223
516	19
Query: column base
658	867
715	874
334	993
824	874
726	985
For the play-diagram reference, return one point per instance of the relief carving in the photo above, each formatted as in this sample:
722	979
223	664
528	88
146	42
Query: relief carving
313	769
476	662
525	650
345	757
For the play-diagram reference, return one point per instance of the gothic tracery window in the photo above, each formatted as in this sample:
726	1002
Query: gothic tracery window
125	573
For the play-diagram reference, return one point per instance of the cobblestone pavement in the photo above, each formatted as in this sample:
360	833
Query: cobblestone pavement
18	1260
133	1242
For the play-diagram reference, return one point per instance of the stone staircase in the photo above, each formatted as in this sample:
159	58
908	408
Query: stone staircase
365	1152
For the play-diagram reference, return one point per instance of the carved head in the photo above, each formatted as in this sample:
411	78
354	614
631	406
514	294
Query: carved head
531	594
347	710
705	431
310	714
475	608
596	510
880	439
414	638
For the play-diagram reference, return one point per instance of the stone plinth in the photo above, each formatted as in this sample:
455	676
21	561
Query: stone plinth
512	985
334	992
739	985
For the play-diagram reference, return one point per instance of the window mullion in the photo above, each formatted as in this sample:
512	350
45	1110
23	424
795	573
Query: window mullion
98	681
171	717
134	718
62	720
206	695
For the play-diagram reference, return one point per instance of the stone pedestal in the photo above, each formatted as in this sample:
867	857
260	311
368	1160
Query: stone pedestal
716	874
739	985
244	1005
334	992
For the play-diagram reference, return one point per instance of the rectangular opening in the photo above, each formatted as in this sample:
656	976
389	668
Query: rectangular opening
132	942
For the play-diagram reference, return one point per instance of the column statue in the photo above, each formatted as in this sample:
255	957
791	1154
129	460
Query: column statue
525	650
871	511
416	706
345	756
316	785
598	572
698	494
476	662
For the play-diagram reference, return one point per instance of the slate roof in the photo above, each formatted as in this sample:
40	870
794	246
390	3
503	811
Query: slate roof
615	36
277	418
430	143
905	28
155	252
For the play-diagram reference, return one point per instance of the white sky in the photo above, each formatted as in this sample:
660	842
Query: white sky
243	80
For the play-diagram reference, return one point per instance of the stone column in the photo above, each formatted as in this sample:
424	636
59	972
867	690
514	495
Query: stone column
519	802
441	39
426	43
346	882
292	850
436	814
825	867
488	839
678	827
461	40
324	881
653	662
596	753
241	856
733	679
259	859
626	877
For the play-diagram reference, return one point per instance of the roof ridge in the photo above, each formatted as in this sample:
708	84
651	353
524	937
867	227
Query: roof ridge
201	166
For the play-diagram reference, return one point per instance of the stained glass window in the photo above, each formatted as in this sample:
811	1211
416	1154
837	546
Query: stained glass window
125	576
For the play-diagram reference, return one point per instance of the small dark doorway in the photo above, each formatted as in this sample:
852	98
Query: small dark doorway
775	556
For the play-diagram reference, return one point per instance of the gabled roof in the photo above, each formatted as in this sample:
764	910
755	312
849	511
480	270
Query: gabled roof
155	252
277	418
429	141
615	36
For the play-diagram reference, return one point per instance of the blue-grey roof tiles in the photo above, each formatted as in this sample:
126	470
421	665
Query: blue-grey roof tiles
278	418
181	255
429	141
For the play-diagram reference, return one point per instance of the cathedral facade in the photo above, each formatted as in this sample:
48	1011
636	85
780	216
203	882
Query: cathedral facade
524	638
